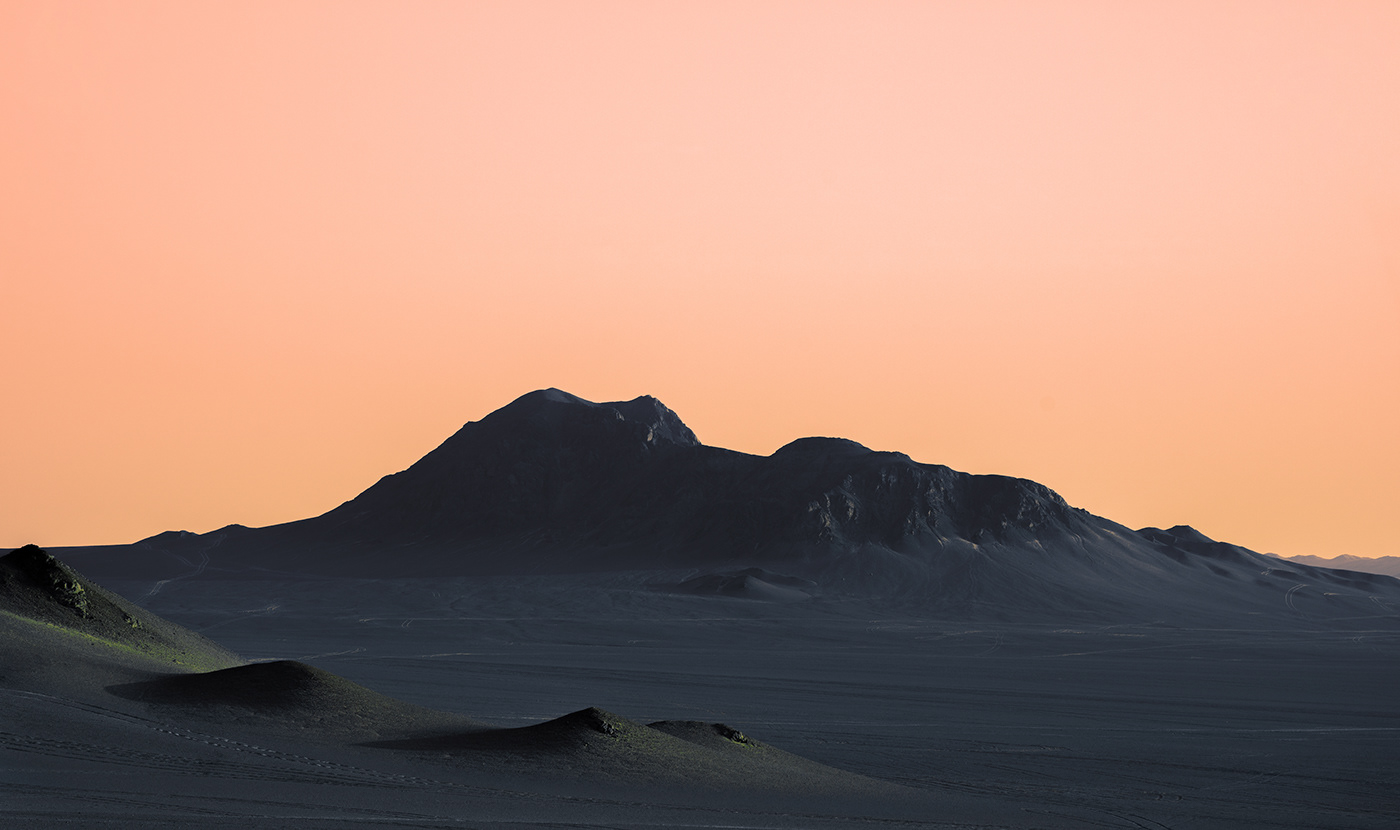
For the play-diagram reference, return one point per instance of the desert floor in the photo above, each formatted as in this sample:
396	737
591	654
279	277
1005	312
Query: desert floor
1293	722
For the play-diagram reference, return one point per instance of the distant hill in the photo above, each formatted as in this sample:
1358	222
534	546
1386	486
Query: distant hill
553	483
1387	565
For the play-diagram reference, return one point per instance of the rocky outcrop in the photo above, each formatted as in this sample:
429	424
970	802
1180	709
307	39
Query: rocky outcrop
35	586
33	568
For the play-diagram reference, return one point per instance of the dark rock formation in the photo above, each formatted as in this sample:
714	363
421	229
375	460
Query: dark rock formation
626	484
553	484
34	567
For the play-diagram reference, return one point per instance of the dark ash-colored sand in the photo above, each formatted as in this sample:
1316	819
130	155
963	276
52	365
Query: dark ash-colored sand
1003	725
576	615
105	728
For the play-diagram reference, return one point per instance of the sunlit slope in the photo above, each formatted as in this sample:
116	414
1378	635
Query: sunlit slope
59	629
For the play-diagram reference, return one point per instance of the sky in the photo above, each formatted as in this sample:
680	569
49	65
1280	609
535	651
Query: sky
256	255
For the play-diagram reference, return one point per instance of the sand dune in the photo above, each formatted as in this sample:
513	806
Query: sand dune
600	747
89	678
989	724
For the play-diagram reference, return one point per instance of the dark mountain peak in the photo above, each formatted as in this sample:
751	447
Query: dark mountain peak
556	395
554	409
621	484
542	463
665	424
534	402
820	446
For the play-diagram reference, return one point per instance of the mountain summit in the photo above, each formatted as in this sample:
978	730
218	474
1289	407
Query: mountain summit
553	483
577	484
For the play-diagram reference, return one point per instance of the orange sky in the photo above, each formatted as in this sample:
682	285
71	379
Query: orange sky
255	255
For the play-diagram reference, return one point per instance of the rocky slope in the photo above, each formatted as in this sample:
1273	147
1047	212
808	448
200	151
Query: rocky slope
42	597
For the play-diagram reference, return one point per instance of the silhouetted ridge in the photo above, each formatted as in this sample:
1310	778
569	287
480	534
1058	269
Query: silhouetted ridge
1183	533
825	447
552	483
175	540
1383	565
648	418
1184	539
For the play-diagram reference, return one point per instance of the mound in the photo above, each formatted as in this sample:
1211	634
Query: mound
599	746
290	695
749	583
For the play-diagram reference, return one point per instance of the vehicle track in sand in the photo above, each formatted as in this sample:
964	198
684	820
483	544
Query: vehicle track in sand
1288	597
195	571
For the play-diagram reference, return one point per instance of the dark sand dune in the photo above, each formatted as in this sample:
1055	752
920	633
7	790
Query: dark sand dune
749	583
107	724
291	697
598	746
1011	725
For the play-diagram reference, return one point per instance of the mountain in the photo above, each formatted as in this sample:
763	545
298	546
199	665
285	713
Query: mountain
626	484
553	483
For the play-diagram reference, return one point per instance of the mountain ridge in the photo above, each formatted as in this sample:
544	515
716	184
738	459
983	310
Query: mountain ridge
553	483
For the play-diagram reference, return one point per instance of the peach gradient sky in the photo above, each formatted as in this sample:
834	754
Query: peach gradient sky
255	255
